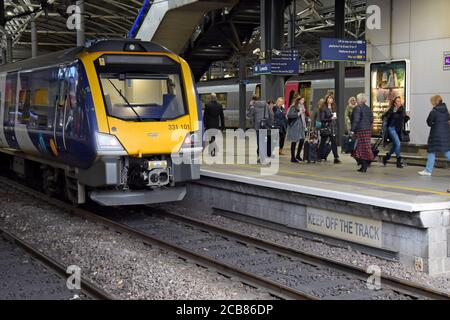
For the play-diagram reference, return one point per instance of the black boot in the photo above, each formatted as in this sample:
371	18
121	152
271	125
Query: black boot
399	163
364	166
386	159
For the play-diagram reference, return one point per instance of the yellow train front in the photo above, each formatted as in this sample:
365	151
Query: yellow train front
117	121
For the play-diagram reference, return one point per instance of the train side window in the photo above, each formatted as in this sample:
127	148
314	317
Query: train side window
10	100
44	95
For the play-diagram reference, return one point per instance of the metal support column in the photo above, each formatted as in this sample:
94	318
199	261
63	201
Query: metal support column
4	61
272	34
340	70
292	24
9	49
242	91
34	40
80	31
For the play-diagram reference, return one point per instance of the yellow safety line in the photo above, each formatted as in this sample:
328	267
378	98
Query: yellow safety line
354	181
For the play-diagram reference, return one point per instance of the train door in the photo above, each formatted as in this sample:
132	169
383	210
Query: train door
305	91
290	89
10	110
61	110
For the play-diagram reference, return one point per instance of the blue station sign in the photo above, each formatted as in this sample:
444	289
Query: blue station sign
260	69
332	49
286	63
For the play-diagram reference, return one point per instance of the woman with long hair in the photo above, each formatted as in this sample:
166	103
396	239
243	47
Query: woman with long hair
396	118
296	128
328	130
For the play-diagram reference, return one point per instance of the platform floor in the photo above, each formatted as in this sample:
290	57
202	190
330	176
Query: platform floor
387	187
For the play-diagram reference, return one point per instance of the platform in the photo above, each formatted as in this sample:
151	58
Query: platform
387	211
386	187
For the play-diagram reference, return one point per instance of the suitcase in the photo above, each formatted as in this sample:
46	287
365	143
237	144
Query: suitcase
348	144
311	152
311	148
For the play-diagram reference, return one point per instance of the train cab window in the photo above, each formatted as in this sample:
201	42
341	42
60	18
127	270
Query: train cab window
143	97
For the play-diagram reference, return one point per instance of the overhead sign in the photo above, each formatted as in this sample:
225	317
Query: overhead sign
447	61
260	69
332	49
287	62
346	227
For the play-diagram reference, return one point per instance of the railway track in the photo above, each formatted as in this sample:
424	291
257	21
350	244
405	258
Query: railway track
88	289
283	272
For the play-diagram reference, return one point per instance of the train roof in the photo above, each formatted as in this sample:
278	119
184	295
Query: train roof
72	54
354	72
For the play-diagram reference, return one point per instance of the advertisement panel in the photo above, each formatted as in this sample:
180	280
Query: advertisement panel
388	80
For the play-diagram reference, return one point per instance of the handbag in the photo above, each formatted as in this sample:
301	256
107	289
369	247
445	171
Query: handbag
264	122
326	132
405	136
349	144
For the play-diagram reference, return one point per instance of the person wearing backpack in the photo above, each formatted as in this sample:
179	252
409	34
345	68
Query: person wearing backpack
262	118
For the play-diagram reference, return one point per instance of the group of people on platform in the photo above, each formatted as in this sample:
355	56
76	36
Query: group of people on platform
297	125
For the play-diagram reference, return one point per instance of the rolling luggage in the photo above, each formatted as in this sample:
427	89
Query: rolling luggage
311	149
349	144
311	152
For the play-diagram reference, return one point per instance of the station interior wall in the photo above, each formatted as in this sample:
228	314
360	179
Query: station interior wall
420	33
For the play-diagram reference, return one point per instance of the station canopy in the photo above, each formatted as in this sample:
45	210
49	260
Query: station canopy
115	18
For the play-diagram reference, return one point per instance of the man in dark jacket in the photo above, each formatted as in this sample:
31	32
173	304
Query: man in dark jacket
439	139
213	118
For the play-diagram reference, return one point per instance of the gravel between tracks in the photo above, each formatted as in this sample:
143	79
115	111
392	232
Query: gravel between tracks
346	255
124	267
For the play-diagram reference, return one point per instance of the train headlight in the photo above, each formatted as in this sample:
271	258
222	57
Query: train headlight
108	144
193	140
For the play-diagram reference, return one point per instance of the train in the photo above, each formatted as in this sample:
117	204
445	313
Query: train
313	86
116	121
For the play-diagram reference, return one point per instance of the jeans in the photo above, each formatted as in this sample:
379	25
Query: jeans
396	144
432	160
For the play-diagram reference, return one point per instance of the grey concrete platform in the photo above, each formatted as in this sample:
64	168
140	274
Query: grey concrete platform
386	187
386	210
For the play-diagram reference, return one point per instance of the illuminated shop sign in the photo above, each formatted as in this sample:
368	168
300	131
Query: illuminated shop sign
447	61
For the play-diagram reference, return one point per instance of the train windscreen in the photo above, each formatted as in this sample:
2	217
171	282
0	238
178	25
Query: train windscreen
141	88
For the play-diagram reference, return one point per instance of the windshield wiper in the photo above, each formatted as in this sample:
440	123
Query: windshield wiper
126	100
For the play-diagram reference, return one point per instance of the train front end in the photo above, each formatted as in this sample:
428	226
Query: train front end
148	136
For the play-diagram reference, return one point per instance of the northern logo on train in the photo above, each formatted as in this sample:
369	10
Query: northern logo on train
153	135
